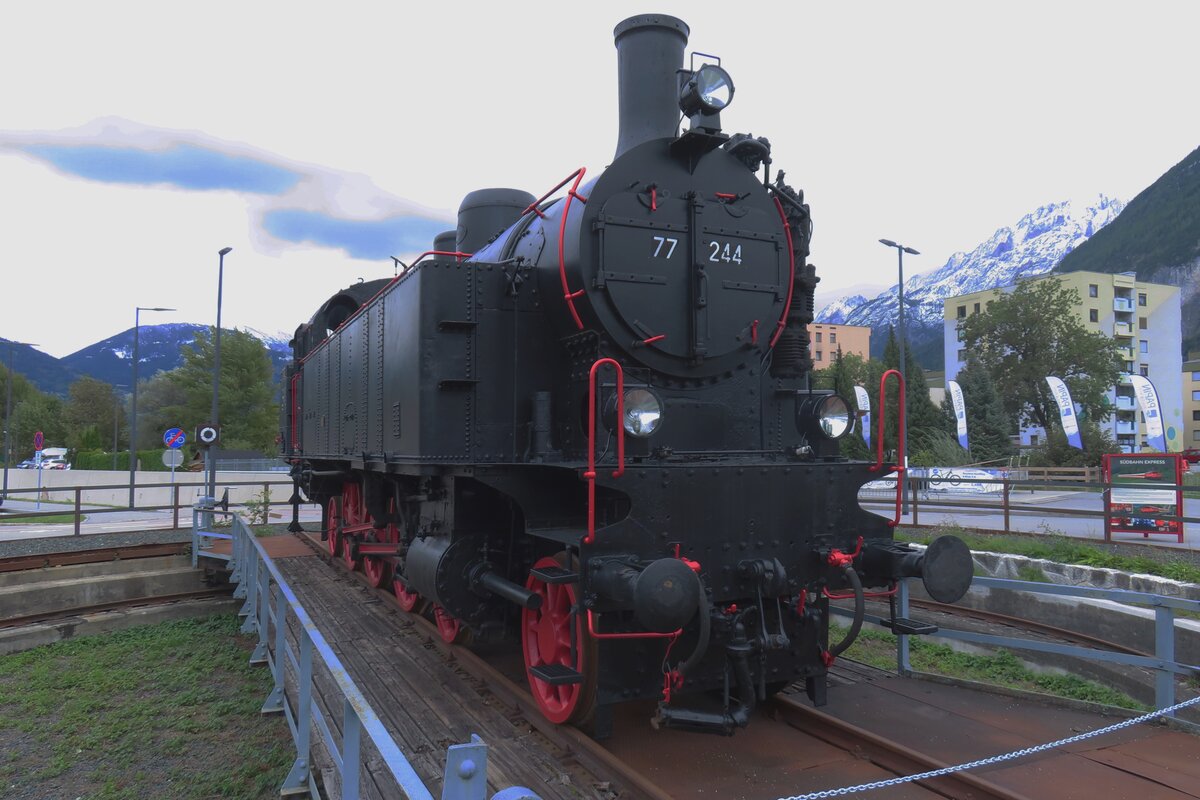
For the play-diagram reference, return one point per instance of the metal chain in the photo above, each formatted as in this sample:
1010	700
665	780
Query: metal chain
865	787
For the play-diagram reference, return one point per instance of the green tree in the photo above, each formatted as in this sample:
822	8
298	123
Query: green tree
1056	452
989	429
249	415
1032	332
92	410
37	412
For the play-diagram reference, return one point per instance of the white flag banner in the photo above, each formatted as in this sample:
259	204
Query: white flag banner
960	412
1147	397
864	406
1066	410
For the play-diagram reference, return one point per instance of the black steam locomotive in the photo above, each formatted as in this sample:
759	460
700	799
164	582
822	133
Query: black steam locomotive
583	420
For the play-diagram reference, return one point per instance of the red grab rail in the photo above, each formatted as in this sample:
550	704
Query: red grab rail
899	468
590	475
572	194
787	305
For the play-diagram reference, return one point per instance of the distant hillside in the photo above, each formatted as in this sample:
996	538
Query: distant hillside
44	371
1157	236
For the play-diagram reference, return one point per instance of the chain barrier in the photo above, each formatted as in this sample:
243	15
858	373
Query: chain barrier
937	773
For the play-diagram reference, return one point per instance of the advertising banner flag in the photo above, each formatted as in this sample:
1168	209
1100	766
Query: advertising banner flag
864	406
1147	397
960	412
1066	410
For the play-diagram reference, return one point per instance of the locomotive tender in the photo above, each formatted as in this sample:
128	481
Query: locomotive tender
584	421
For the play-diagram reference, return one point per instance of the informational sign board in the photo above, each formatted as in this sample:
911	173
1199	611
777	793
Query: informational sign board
208	435
172	458
175	438
1144	483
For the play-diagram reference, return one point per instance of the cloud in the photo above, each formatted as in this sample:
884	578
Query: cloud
367	239
185	166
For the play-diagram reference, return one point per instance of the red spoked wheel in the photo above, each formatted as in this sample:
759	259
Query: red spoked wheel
353	513
546	640
408	600
333	524
447	626
378	569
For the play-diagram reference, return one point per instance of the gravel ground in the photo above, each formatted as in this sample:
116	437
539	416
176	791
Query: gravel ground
95	541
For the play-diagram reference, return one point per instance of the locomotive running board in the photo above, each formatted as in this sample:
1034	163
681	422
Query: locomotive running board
554	575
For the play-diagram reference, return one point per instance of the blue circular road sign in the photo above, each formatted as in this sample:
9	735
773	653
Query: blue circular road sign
174	438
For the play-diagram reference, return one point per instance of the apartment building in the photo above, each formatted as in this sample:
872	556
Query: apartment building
1145	320
825	340
1191	401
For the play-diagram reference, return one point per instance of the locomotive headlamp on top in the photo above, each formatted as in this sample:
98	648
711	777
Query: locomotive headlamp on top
708	91
643	411
826	414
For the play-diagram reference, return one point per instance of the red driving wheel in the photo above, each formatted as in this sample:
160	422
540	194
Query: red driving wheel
353	514
408	600
447	626
546	639
333	522
378	569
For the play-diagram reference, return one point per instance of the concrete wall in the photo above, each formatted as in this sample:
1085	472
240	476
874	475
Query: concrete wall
59	485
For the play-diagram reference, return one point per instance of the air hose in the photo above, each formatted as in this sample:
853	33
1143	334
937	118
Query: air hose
860	610
705	632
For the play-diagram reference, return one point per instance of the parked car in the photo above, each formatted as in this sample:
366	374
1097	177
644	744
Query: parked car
55	463
1191	455
28	463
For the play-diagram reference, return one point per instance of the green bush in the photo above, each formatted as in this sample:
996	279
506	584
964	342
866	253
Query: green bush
151	460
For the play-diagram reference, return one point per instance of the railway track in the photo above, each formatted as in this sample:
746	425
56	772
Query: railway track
41	560
789	727
133	602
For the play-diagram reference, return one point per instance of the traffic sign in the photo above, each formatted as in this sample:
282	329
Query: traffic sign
208	434
174	438
38	441
172	458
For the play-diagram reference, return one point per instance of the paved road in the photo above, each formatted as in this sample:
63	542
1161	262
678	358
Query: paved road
1039	517
111	520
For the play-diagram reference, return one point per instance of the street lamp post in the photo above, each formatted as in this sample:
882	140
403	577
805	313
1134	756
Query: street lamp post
900	251
133	410
212	451
8	414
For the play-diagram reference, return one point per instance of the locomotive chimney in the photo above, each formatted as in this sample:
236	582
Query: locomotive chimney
649	53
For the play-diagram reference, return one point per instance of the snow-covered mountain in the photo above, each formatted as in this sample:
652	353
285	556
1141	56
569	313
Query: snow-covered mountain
839	311
1031	247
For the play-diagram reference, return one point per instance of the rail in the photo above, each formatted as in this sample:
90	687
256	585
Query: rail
269	605
1163	662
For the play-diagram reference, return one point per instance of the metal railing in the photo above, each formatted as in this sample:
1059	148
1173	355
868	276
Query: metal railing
269	605
1163	662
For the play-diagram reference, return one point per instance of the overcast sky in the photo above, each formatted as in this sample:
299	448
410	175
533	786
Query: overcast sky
137	139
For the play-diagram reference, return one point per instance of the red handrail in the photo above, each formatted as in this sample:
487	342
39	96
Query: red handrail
572	194
787	305
899	468
590	475
591	623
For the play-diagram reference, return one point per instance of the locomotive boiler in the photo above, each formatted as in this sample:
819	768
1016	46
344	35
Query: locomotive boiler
583	422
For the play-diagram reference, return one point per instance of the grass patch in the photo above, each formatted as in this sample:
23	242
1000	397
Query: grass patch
1063	550
7	519
168	710
1004	669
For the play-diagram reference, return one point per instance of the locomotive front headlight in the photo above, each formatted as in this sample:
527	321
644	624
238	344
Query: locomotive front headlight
643	412
834	416
710	89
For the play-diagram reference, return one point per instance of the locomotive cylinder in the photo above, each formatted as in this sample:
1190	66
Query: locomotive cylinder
664	595
649	54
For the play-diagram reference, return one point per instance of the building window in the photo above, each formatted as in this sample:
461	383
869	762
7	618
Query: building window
1129	366
833	339
1196	416
1196	436
818	336
819	352
1093	290
1142	323
1141	298
962	355
1196	396
1033	438
1144	346
1145	371
977	308
1196	376
962	311
1093	315
960	338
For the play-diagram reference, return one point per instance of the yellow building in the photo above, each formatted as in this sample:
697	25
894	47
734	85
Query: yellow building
826	340
1191	401
1145	320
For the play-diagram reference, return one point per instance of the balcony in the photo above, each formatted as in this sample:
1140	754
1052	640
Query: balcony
1125	353
1124	403
1123	379
1123	330
1126	428
1123	304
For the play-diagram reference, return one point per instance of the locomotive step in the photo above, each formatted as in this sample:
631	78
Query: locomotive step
554	575
556	674
903	625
